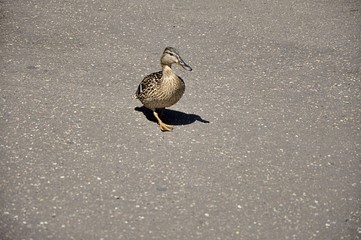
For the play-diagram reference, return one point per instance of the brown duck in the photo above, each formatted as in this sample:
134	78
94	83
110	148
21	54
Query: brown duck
163	89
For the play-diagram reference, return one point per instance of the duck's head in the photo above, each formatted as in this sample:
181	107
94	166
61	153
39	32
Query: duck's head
170	56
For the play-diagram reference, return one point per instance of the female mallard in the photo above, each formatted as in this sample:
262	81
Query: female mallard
163	89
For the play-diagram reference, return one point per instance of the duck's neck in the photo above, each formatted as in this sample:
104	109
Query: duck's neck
167	71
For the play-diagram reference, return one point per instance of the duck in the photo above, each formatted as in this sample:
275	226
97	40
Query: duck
163	89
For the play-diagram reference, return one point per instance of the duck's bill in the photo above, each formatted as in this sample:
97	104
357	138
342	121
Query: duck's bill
184	65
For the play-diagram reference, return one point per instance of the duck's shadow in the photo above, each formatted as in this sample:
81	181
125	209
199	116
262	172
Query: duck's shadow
171	117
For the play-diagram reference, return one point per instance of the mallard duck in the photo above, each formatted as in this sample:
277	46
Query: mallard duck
163	89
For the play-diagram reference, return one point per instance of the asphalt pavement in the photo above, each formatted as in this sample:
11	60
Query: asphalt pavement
266	139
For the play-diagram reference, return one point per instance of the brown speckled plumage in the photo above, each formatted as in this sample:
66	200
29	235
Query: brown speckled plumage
163	89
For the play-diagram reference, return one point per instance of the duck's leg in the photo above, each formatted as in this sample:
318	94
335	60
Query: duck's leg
162	125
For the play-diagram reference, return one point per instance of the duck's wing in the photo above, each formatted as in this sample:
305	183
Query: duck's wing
149	83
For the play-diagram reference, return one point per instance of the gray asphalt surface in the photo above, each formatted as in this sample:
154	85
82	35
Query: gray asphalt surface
266	143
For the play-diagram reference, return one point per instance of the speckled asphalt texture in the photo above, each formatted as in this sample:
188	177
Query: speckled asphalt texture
267	137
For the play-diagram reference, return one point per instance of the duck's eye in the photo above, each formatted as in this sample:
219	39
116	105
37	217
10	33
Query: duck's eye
171	54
